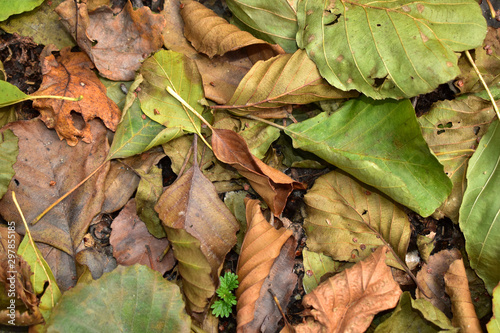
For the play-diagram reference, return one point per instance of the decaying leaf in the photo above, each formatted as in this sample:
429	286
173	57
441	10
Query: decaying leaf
133	244
431	278
8	155
70	75
457	287
212	35
59	168
272	185
117	43
201	230
261	248
348	301
341	210
283	80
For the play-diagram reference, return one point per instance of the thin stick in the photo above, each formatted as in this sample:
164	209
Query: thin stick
492	9
33	245
265	121
67	193
495	107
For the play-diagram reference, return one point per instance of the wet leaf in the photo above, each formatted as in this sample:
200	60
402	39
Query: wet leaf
261	247
133	244
62	227
71	75
8	8
416	316
272	185
8	156
212	35
349	300
201	231
389	49
129	299
452	130
117	43
340	210
480	208
457	287
171	69
274	22
30	23
283	80
379	143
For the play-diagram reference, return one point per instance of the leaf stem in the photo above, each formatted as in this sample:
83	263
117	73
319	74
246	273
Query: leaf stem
29	98
183	102
39	217
32	243
495	107
265	121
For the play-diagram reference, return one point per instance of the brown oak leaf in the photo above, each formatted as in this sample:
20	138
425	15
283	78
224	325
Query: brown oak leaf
70	75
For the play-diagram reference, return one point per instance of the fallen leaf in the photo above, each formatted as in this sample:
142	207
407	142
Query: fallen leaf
212	35
128	299
457	287
283	80
261	247
59	168
416	316
117	43
341	210
148	192
431	278
272	185
7	8
133	244
348	301
200	237
8	156
70	75
96	262
493	325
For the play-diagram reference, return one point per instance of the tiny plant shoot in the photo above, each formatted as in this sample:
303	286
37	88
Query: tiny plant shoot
223	306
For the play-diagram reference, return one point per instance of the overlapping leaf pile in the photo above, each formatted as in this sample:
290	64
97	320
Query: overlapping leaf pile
208	92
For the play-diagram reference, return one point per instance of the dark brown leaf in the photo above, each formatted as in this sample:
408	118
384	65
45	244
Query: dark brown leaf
70	75
271	184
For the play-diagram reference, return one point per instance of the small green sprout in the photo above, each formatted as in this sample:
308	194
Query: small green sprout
223	306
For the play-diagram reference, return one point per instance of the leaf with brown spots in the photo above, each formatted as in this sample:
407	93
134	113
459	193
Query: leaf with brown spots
348	301
71	75
117	42
271	184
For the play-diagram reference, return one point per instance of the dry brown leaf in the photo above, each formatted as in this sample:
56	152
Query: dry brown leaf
271	184
261	247
212	35
132	243
70	75
431	278
97	262
117	43
348	301
59	168
457	287
220	75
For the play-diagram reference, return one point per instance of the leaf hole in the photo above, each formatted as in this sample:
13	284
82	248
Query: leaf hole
16	182
379	25
78	120
377	82
440	131
476	130
330	16
364	212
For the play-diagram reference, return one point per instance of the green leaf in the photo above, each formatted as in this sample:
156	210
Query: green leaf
272	21
10	94
128	299
8	156
389	48
316	265
493	325
117	90
480	210
221	308
416	316
8	7
452	130
171	69
283	80
347	221
229	281
42	274
148	192
380	143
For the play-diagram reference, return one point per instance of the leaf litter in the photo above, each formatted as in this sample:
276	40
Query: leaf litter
217	77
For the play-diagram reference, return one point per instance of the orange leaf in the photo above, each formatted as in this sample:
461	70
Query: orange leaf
212	35
348	301
271	184
70	75
259	252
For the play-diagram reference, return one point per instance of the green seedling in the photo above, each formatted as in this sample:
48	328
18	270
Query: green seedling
223	306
